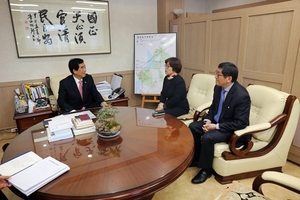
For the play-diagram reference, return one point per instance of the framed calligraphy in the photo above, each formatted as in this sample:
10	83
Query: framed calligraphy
52	27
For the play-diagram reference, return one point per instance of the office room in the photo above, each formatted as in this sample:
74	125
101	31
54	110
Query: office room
125	20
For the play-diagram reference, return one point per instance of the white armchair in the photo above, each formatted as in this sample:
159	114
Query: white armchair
284	180
273	121
199	95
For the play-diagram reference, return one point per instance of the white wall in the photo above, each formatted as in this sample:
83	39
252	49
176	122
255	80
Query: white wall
197	6
211	5
126	18
207	6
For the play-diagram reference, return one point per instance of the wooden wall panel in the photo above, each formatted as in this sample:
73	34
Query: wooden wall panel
262	41
196	54
267	42
225	38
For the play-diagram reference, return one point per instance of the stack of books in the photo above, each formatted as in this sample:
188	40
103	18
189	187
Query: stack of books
59	128
82	124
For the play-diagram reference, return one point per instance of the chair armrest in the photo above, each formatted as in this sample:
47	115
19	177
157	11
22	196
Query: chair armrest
200	111
244	151
284	180
253	129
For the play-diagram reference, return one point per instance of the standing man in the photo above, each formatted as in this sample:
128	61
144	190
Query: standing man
78	91
229	111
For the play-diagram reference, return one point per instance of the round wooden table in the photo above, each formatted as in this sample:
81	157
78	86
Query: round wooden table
148	155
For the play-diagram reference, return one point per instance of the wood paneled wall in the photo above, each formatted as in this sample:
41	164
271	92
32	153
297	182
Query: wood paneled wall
7	94
165	13
262	41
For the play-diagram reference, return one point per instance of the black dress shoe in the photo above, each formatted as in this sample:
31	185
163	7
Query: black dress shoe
201	177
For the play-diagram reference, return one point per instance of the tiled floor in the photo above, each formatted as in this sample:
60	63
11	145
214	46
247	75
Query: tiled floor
182	187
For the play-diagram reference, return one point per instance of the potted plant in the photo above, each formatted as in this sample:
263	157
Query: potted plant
106	125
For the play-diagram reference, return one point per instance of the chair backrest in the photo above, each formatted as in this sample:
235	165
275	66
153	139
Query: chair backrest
54	83
266	103
201	90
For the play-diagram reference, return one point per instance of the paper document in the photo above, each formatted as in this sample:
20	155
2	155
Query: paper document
61	124
116	81
34	177
19	163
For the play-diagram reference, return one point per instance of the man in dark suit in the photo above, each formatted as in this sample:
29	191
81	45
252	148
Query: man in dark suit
233	102
78	91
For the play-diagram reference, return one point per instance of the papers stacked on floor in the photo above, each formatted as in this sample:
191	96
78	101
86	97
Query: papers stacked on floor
29	172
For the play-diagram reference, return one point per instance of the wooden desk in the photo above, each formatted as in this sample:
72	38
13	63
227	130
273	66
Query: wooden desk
119	102
146	157
26	120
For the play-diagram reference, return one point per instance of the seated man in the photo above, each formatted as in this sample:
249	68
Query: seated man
229	111
78	91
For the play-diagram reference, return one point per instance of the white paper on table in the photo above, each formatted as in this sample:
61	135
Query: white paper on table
38	175
19	163
62	123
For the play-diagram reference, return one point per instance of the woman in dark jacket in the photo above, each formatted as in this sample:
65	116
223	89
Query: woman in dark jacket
173	95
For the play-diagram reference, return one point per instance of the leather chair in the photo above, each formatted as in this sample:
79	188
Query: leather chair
273	121
199	95
53	86
284	180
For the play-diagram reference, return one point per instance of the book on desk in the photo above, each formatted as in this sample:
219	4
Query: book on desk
66	126
29	172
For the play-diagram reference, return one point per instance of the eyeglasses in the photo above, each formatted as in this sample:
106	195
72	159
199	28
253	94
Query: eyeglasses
217	74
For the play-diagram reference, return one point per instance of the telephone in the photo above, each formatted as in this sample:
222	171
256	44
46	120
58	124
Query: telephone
118	92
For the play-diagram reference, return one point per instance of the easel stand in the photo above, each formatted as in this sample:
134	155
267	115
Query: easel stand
149	98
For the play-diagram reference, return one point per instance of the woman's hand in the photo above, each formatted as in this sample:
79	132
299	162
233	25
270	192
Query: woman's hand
160	106
3	182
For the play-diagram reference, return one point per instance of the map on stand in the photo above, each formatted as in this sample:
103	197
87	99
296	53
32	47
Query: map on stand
150	52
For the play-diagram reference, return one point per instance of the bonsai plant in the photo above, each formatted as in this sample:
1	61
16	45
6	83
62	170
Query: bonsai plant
106	123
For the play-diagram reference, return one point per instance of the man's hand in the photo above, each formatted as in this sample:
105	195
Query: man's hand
104	104
208	126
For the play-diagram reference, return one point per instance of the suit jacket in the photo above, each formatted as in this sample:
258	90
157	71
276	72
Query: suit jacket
69	97
235	111
173	95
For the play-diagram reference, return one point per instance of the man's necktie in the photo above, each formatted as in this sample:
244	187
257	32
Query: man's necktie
217	116
80	89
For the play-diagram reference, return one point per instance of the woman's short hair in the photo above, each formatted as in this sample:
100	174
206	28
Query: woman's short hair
175	63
